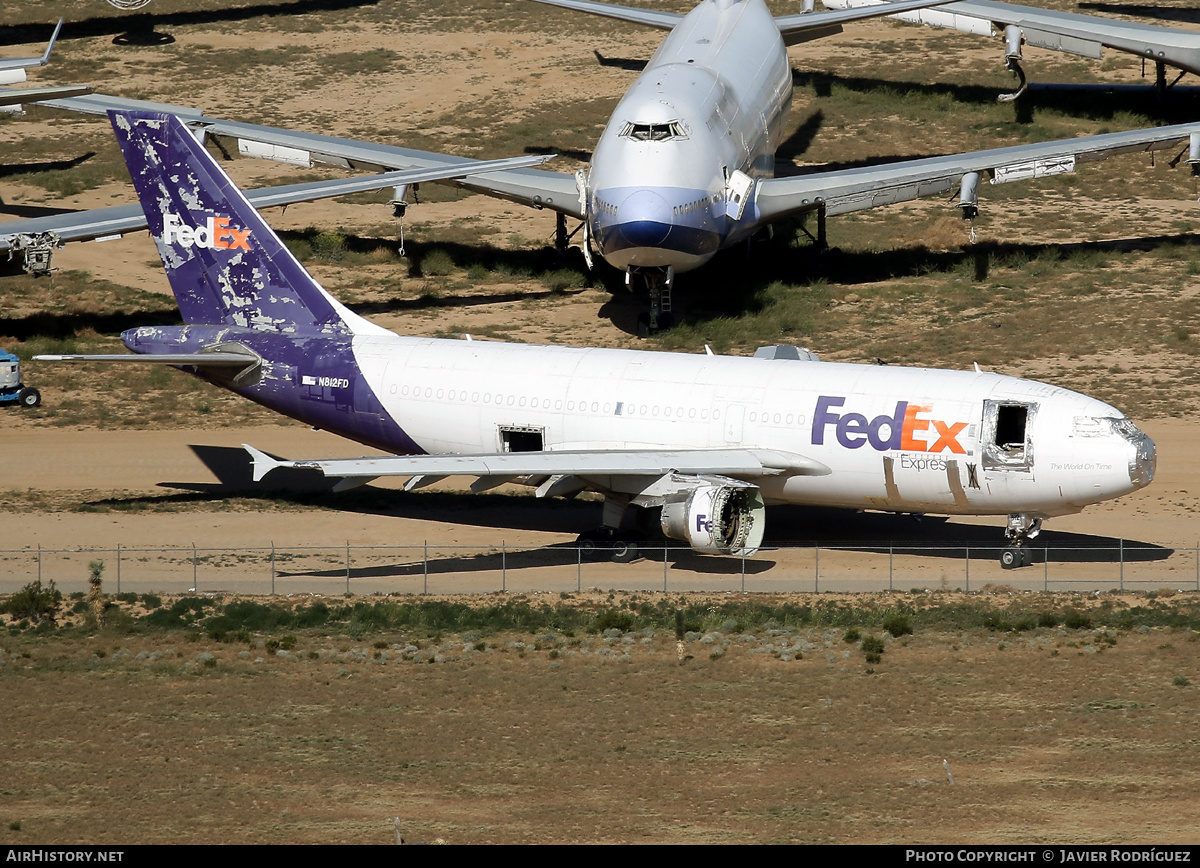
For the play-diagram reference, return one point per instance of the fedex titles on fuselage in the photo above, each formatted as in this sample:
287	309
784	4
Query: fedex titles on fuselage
909	428
215	234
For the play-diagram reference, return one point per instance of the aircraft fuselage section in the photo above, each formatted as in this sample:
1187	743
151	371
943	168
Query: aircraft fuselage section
711	103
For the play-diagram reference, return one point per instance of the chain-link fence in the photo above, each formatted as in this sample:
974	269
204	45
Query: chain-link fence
449	569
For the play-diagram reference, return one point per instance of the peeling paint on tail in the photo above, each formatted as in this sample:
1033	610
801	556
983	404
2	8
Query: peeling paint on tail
225	265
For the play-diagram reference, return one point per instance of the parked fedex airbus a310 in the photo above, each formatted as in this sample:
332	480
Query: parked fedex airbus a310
698	443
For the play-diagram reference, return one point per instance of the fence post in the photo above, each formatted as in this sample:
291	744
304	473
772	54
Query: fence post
967	549
39	563
1046	569
347	567
503	566
272	568
118	568
743	572
1121	547
195	570
891	551
816	569
664	568
579	568
1198	565
426	590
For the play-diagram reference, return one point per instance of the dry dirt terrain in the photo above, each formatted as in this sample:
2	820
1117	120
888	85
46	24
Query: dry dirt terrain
1091	281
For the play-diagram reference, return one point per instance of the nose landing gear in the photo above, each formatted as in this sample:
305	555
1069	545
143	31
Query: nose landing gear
1021	528
659	283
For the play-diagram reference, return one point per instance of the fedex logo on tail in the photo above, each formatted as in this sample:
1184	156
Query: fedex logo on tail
215	234
908	429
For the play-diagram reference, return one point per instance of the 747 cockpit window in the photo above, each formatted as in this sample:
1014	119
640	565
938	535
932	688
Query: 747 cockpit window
653	132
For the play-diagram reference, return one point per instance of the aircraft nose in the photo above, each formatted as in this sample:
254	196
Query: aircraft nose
645	219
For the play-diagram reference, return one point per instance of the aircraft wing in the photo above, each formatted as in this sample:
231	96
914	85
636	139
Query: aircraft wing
104	223
541	189
647	17
1058	31
16	96
855	189
506	466
26	62
793	28
814	25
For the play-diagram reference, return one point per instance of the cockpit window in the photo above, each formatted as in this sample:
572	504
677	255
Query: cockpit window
653	132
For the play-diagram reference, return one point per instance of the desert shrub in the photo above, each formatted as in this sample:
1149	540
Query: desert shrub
1180	681
329	247
152	601
563	278
127	597
436	263
1077	621
872	645
1047	619
898	625
35	602
852	635
614	619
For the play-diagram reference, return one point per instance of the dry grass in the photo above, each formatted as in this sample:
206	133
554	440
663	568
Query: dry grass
520	738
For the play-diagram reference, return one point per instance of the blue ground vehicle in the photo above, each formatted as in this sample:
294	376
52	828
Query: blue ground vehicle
12	390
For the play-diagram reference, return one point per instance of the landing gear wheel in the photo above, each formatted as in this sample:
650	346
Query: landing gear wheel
29	397
624	551
643	325
1015	557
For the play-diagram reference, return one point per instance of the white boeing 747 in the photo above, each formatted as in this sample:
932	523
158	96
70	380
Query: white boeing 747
685	166
696	445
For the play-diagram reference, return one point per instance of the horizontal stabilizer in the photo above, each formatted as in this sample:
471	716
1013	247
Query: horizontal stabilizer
202	360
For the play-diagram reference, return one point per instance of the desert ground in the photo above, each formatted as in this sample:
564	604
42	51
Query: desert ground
1090	281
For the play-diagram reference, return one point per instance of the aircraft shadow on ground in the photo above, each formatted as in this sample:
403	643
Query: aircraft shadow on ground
66	325
137	29
787	526
706	295
627	63
940	537
800	140
1145	10
16	169
1179	109
564	555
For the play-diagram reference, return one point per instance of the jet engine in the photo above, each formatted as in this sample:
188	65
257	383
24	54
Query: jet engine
720	518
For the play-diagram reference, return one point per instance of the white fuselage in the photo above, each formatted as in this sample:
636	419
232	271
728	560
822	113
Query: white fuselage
711	103
897	439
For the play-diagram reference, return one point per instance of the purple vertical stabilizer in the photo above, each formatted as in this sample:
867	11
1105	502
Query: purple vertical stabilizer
239	288
225	264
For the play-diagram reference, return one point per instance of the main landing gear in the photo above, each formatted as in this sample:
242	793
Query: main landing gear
1021	528
659	283
620	546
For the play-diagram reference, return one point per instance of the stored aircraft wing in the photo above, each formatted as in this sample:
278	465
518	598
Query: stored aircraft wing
690	445
12	71
37	238
1084	35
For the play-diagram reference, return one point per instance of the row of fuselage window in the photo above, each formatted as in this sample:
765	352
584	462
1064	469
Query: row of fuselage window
559	405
